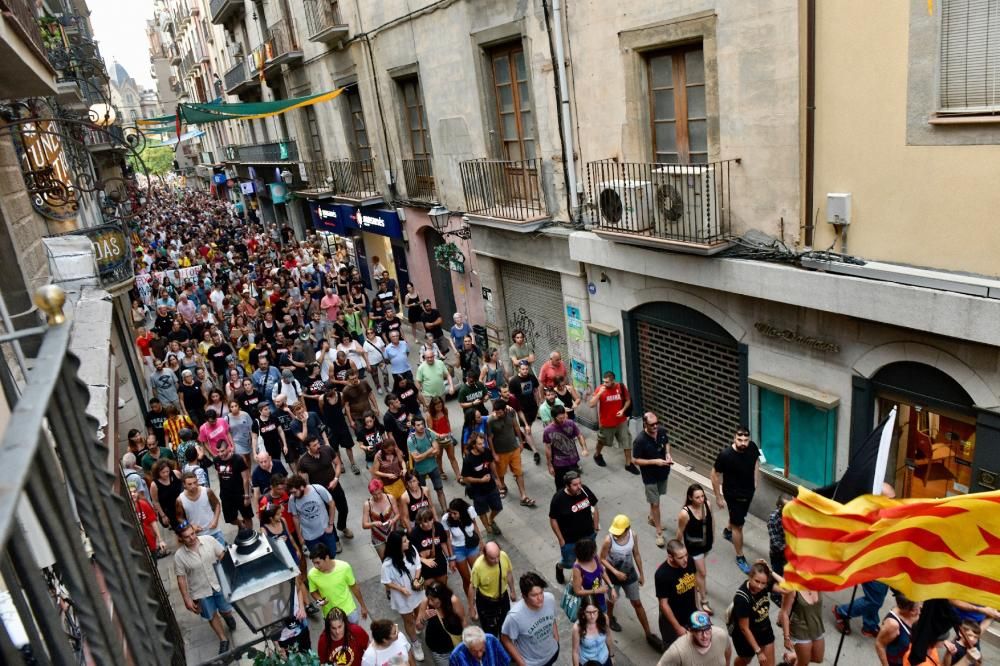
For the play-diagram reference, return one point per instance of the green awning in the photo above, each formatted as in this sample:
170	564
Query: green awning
196	114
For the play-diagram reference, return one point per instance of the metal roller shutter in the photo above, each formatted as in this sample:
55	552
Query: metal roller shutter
693	385
534	304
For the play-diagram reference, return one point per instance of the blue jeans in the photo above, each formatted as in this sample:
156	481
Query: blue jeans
329	539
568	552
868	606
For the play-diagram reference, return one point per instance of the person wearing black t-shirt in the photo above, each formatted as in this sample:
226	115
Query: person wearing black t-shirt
409	396
573	516
155	420
479	477
433	324
676	589
397	422
248	398
370	436
219	354
651	454
431	541
234	487
753	633
734	480
321	465
269	430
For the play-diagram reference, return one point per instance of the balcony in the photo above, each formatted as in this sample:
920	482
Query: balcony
224	10
278	152
187	62
318	179
680	207
27	71
175	54
418	176
323	21
98	141
282	45
236	77
354	181
102	581
166	21
507	192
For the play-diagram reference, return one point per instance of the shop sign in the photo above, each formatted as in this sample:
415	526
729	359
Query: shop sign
219	178
788	335
113	251
247	188
376	221
327	217
46	170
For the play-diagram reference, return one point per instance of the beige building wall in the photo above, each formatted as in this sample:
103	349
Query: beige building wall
925	205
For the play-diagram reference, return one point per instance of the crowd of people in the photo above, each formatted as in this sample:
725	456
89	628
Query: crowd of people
270	361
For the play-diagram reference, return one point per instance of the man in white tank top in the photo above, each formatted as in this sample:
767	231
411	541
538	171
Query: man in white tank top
200	507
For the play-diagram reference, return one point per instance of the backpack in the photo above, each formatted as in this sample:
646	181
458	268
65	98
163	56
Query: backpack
731	626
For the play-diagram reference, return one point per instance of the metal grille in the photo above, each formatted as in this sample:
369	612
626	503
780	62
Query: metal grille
534	303
693	385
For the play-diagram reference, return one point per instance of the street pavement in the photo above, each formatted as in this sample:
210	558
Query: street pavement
529	541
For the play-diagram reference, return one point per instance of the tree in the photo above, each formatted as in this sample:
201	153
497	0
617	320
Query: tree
158	160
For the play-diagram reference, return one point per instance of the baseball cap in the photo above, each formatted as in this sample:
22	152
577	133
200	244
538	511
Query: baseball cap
619	525
523	361
700	621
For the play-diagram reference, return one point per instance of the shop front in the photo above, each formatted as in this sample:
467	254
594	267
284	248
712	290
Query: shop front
364	233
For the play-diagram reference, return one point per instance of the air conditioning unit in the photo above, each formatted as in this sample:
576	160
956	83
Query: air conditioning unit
626	205
686	202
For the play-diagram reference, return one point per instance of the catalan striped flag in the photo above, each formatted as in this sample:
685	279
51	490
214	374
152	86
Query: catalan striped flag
927	549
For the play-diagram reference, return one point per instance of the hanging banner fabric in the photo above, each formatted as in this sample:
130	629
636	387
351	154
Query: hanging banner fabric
194	114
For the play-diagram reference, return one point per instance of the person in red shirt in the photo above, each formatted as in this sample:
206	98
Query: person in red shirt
552	369
144	342
147	519
342	643
614	403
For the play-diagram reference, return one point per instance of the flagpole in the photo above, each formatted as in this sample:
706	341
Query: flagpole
843	635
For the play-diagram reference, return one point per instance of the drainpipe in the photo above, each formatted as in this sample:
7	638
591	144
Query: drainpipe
810	121
564	108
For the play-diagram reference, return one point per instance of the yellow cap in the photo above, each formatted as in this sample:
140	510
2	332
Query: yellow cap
619	525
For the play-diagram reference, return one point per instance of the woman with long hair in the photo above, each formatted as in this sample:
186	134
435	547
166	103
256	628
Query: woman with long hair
801	620
437	418
589	575
466	539
413	500
444	616
696	531
331	410
402	579
234	384
493	374
388	646
342	642
753	633
591	638
414	313
165	490
217	401
432	543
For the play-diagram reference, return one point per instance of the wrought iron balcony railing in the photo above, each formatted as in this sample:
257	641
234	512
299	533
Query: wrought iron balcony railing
354	179
323	21
235	77
283	43
22	16
97	607
318	176
676	203
506	190
418	175
265	153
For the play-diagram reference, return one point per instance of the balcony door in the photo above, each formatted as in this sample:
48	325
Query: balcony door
515	122
359	131
418	133
679	121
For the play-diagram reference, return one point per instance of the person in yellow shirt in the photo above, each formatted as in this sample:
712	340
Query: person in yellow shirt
246	348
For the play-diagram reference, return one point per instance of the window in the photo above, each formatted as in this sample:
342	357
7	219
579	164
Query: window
416	118
315	142
513	100
970	56
677	106
797	432
362	149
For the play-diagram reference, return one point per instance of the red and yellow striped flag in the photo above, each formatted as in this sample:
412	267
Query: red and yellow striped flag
927	549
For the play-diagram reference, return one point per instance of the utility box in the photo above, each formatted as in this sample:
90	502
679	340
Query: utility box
838	208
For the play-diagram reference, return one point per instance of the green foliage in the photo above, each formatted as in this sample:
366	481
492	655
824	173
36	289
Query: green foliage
158	160
291	658
449	257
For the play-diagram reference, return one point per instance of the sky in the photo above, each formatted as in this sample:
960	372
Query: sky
120	30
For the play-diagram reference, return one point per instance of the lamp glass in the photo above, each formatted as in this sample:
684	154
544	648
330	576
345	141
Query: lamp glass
260	584
439	216
102	115
286	176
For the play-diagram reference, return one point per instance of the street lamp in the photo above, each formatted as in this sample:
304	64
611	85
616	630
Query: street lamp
441	216
287	176
258	578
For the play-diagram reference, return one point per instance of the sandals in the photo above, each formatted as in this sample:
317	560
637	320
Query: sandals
503	493
444	477
527	501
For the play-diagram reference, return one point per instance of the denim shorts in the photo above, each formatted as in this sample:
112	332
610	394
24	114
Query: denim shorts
214	604
435	476
462	553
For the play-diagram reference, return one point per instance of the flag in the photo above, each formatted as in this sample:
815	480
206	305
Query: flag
865	472
925	548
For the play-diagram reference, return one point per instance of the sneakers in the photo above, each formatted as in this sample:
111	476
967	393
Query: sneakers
340	546
560	576
223	647
347	533
842	623
727	534
418	650
229	620
742	563
354	468
660	541
599	459
869	633
496	529
613	623
538	458
632	469
655	642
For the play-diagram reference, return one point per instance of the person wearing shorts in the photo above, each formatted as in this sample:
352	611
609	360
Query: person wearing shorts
734	480
234	487
197	582
651	453
620	557
423	447
613	405
478	476
505	436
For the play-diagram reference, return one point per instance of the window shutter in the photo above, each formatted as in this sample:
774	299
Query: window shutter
970	56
